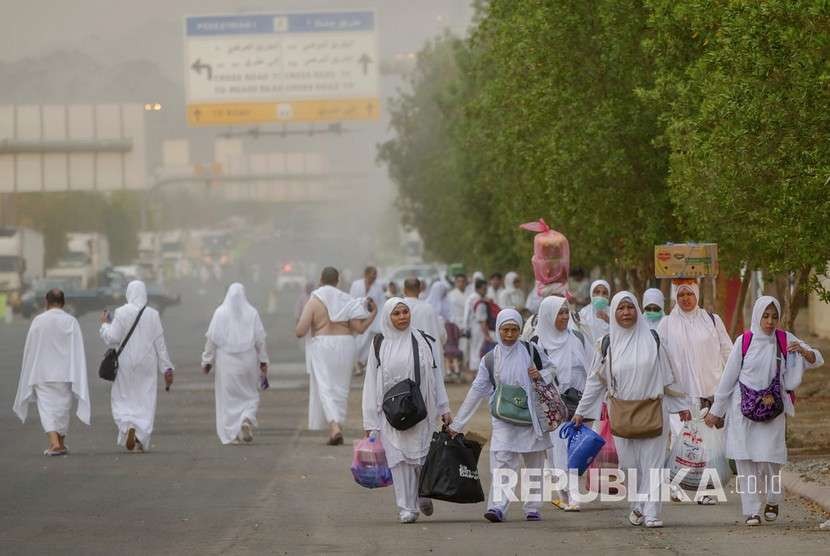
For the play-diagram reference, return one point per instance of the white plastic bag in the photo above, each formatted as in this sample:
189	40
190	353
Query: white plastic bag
696	448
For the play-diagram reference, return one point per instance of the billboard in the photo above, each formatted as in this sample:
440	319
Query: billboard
296	67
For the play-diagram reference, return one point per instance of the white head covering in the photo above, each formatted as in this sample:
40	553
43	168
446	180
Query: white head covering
759	366
693	345
551	338
588	315
509	278
437	298
567	353
653	296
596	283
137	294
236	325
633	355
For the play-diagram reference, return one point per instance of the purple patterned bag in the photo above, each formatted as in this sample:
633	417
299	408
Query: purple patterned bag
763	405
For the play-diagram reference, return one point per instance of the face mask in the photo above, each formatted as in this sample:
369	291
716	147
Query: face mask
653	316
600	303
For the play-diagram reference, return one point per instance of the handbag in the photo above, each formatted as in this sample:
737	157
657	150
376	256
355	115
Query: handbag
403	403
571	398
108	369
634	418
548	405
766	404
509	403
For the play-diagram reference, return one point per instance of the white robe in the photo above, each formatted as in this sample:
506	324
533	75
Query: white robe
358	290
477	315
330	359
457	302
510	297
424	318
134	392
746	439
235	347
53	371
640	371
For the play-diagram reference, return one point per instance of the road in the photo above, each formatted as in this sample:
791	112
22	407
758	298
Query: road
286	493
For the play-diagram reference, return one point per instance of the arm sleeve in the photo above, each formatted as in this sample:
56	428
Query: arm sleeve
728	381
591	404
480	389
674	398
262	351
723	337
442	400
161	349
371	416
209	355
113	332
793	373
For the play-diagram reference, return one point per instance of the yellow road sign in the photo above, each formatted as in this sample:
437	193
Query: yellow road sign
291	111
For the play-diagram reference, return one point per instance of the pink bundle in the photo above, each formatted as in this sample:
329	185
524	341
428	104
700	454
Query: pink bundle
551	258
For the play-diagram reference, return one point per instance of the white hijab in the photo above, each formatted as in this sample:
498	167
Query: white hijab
341	306
633	356
236	326
653	296
565	351
136	294
588	314
509	280
693	345
760	361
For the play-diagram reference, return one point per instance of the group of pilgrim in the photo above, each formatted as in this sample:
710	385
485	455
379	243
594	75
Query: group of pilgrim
54	369
686	359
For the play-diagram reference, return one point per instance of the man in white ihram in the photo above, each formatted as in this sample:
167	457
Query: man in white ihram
145	355
54	371
370	287
331	317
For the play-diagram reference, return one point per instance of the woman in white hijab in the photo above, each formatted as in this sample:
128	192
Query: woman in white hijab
698	345
635	369
759	448
406	450
133	393
510	444
593	318
570	356
437	299
236	347
512	297
653	307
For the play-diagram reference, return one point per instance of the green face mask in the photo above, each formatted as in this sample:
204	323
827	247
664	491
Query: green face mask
600	303
653	316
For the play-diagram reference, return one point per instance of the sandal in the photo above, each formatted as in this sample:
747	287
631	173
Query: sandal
654	523
130	444
753	520
335	440
494	516
54	452
771	512
707	501
635	518
558	503
533	516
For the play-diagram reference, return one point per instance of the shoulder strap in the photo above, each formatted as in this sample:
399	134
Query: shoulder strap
656	337
781	337
534	354
376	341
488	364
712	316
535	339
746	339
604	345
579	335
430	340
130	333
416	355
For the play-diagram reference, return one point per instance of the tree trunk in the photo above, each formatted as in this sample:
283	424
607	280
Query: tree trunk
738	310
798	297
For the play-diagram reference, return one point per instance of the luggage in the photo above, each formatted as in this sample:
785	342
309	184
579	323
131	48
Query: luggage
450	472
369	467
583	446
551	255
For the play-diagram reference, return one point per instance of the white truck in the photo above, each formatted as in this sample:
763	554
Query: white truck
87	254
21	258
149	252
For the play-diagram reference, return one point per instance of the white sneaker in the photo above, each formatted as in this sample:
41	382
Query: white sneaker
654	523
408	517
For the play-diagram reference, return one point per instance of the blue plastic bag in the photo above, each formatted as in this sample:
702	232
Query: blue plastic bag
583	446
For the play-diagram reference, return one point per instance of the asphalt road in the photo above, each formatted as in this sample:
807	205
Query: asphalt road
286	493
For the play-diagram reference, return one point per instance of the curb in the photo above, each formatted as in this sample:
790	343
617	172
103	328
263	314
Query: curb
811	491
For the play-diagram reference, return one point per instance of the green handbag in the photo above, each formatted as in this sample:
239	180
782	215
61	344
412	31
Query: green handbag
509	403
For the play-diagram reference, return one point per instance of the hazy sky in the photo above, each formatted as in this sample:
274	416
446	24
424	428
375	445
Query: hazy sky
116	30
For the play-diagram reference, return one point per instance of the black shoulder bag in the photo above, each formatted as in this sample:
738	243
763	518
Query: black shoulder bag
108	369
403	404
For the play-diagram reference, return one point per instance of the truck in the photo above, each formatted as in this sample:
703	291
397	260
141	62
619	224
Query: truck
21	259
87	254
149	252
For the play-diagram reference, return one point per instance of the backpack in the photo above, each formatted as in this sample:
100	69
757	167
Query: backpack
780	337
606	343
489	361
493	311
378	340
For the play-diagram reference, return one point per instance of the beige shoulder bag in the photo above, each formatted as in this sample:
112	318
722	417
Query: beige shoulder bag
633	418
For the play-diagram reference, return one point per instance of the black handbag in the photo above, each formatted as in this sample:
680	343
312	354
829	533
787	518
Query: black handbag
108	369
571	397
403	404
450	471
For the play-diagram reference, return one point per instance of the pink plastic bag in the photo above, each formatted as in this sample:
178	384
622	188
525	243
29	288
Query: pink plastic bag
551	256
369	467
607	457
